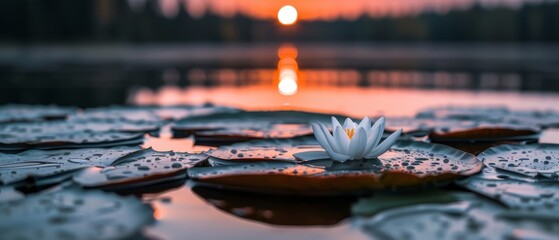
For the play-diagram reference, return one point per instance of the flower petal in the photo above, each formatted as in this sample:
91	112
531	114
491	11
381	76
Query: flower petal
357	144
385	145
366	124
342	140
329	138
335	123
374	136
349	124
338	156
322	138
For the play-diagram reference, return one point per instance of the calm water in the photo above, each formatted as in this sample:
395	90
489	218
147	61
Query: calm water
352	80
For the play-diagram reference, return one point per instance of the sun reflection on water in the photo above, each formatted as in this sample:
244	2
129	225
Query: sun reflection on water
287	70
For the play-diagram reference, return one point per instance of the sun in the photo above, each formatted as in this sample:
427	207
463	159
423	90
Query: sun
287	15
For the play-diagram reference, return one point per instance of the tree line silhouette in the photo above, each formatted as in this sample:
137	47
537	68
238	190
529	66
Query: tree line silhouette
114	21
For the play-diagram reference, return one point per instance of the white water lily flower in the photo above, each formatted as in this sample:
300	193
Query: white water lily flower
354	141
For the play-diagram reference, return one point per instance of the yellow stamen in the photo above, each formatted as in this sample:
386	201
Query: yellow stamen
350	132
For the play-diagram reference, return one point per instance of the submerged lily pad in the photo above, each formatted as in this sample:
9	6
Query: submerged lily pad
41	164
534	196
287	210
531	160
74	214
469	218
408	163
487	132
475	113
32	113
139	168
383	201
244	126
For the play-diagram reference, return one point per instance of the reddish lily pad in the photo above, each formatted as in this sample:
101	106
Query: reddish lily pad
407	164
530	160
487	132
38	164
32	113
74	214
140	168
514	192
244	126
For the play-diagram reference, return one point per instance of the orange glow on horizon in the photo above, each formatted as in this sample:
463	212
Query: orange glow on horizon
327	9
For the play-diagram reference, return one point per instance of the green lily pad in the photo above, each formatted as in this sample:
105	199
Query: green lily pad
530	160
74	214
407	164
71	134
513	191
41	164
32	113
147	114
469	218
242	126
117	114
140	168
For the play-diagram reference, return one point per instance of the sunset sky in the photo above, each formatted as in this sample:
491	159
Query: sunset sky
323	9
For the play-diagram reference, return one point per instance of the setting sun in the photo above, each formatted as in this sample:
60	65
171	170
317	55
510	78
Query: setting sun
287	15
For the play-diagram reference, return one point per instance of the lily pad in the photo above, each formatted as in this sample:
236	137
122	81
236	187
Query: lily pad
189	111
266	149
475	113
543	119
73	140
244	126
487	132
32	113
470	218
407	164
117	114
70	134
140	168
74	214
148	114
422	126
514	192
383	201
38	164
530	160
